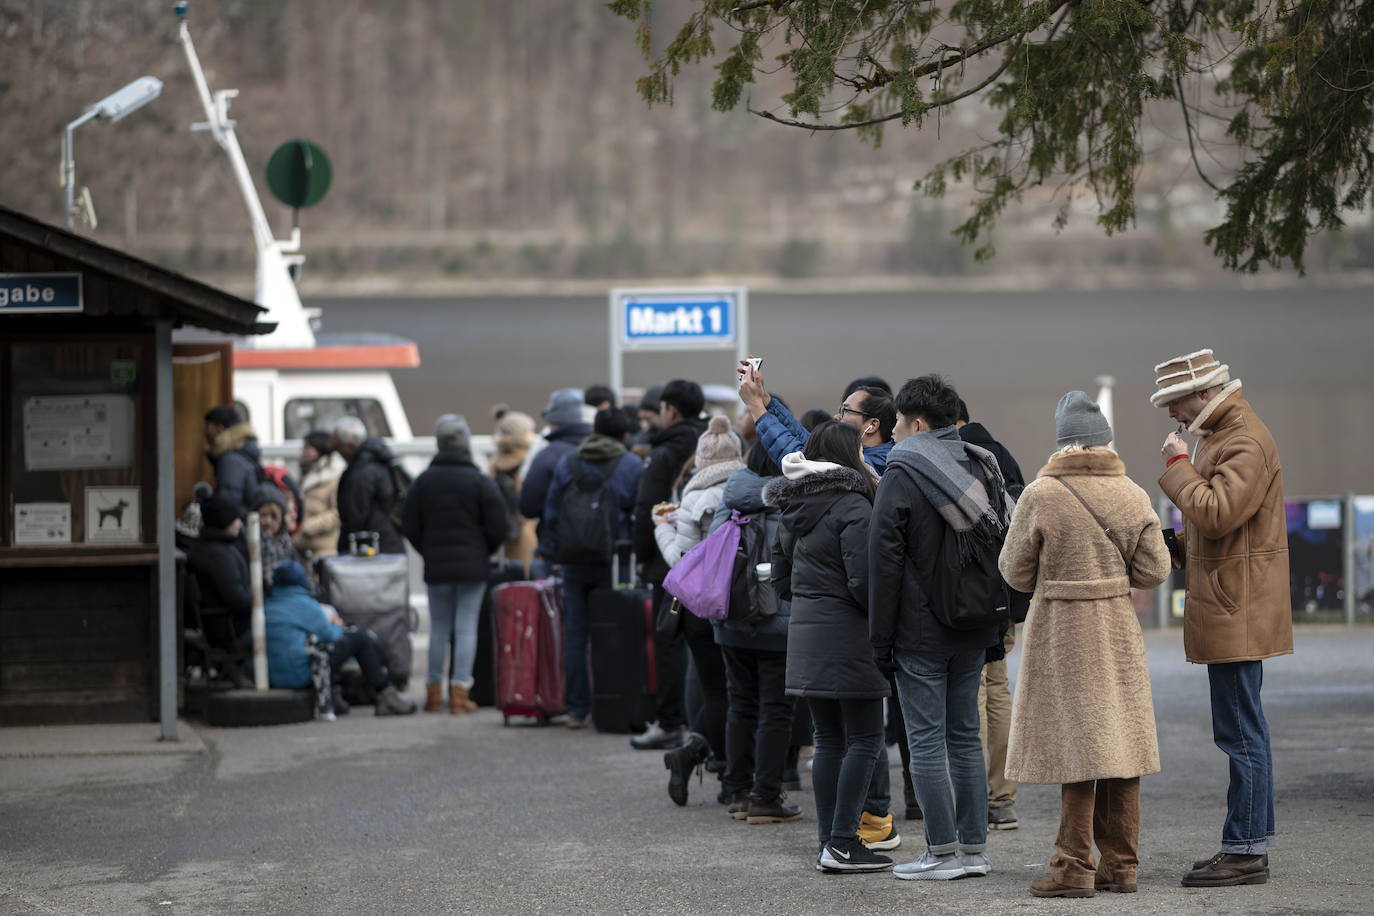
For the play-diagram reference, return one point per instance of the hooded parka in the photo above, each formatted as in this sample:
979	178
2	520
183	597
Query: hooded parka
1083	709
237	460
820	564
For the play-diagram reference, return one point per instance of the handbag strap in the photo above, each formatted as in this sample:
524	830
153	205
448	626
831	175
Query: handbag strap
1106	529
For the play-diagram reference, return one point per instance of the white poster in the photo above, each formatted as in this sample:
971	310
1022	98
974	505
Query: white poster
82	432
112	515
42	523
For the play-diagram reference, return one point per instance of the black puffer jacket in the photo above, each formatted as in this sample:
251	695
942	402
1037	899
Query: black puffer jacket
744	492
672	447
367	495
456	518
820	563
221	570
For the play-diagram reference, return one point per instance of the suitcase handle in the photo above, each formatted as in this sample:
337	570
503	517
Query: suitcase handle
615	567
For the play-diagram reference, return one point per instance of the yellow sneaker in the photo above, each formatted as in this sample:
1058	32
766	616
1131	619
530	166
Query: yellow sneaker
878	832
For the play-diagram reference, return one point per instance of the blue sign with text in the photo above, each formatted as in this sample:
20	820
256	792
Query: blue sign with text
25	294
677	320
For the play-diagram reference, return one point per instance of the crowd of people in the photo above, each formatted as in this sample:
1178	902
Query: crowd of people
904	550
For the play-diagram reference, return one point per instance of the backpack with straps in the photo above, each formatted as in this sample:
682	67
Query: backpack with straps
970	594
752	600
400	485
587	514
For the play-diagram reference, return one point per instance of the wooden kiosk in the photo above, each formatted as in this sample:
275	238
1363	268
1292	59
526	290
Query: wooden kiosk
89	613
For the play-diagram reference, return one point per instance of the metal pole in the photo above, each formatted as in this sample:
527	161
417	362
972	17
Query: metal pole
617	356
69	167
1164	593
1105	403
1348	557
742	330
166	536
259	619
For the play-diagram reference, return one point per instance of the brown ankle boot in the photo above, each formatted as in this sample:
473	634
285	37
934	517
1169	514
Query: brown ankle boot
434	698
458	701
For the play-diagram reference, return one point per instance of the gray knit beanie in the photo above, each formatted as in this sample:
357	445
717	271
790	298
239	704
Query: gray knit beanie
565	406
451	434
1079	421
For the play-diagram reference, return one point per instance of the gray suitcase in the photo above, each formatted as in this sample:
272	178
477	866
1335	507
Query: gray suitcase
373	593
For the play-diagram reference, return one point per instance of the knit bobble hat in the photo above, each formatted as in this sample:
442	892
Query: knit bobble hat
719	443
1079	421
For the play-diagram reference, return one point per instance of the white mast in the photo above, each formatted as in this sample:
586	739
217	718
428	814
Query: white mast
1104	400
275	290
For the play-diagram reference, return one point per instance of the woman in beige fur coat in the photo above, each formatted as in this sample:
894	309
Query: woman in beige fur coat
1082	536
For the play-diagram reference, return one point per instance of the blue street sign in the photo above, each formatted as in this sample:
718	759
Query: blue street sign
677	320
25	294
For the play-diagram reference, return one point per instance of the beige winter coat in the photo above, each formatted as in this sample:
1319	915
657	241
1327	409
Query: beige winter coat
1083	709
319	534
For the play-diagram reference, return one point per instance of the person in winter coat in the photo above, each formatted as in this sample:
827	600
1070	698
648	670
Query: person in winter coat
866	408
567	429
1083	716
291	613
758	721
1238	609
277	548
672	443
367	492
601	460
321	468
235	455
513	437
717	456
820	564
455	517
941	502
218	562
994	694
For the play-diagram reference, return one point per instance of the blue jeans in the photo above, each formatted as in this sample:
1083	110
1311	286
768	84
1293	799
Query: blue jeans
1240	730
939	696
454	608
578	584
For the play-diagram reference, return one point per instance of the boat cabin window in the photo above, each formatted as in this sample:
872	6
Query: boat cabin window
304	415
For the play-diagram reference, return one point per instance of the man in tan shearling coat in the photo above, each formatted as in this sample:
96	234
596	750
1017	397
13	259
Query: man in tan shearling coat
1238	611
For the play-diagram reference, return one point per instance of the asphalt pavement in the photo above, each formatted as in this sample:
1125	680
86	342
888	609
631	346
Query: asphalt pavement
442	814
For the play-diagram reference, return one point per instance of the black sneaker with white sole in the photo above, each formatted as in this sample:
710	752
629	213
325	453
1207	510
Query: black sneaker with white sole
851	855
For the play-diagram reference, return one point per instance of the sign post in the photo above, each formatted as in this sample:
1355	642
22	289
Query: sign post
694	318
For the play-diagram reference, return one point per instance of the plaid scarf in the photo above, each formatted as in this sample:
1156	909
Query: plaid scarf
933	461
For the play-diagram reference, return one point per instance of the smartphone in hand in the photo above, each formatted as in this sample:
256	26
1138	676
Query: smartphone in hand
1171	540
756	362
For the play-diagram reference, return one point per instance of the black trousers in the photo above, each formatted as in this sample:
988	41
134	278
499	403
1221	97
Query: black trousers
849	737
670	661
363	646
700	637
758	723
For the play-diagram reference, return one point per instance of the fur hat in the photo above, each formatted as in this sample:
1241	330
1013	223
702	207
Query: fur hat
1079	421
719	443
1187	374
565	406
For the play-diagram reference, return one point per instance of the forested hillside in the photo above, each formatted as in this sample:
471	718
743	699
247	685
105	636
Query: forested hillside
486	140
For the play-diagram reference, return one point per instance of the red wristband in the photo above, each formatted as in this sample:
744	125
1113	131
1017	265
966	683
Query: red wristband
1170	463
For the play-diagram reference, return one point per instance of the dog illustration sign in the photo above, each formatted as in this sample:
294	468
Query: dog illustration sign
42	523
112	515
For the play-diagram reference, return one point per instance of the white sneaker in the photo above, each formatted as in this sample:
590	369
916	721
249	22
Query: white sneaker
931	867
976	865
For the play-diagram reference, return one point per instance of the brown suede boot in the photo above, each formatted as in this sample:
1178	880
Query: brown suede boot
1048	887
458	701
434	698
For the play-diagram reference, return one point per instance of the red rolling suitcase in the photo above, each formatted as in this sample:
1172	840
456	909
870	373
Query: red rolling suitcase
529	659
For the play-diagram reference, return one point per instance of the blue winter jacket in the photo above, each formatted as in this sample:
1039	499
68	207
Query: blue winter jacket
744	491
291	613
781	434
596	454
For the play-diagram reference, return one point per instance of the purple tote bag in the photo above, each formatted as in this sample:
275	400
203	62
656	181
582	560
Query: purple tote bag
701	579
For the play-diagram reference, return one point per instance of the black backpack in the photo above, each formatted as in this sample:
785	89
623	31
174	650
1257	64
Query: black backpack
752	600
587	515
971	595
400	485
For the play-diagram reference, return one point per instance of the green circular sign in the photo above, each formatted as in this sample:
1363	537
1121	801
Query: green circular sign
298	173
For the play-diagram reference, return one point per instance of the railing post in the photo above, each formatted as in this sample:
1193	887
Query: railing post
1348	559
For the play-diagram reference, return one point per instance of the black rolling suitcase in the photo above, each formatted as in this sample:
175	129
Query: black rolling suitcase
621	632
483	691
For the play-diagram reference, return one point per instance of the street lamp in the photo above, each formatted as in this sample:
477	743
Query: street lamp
112	108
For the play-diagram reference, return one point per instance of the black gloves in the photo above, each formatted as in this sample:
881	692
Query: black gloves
883	659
